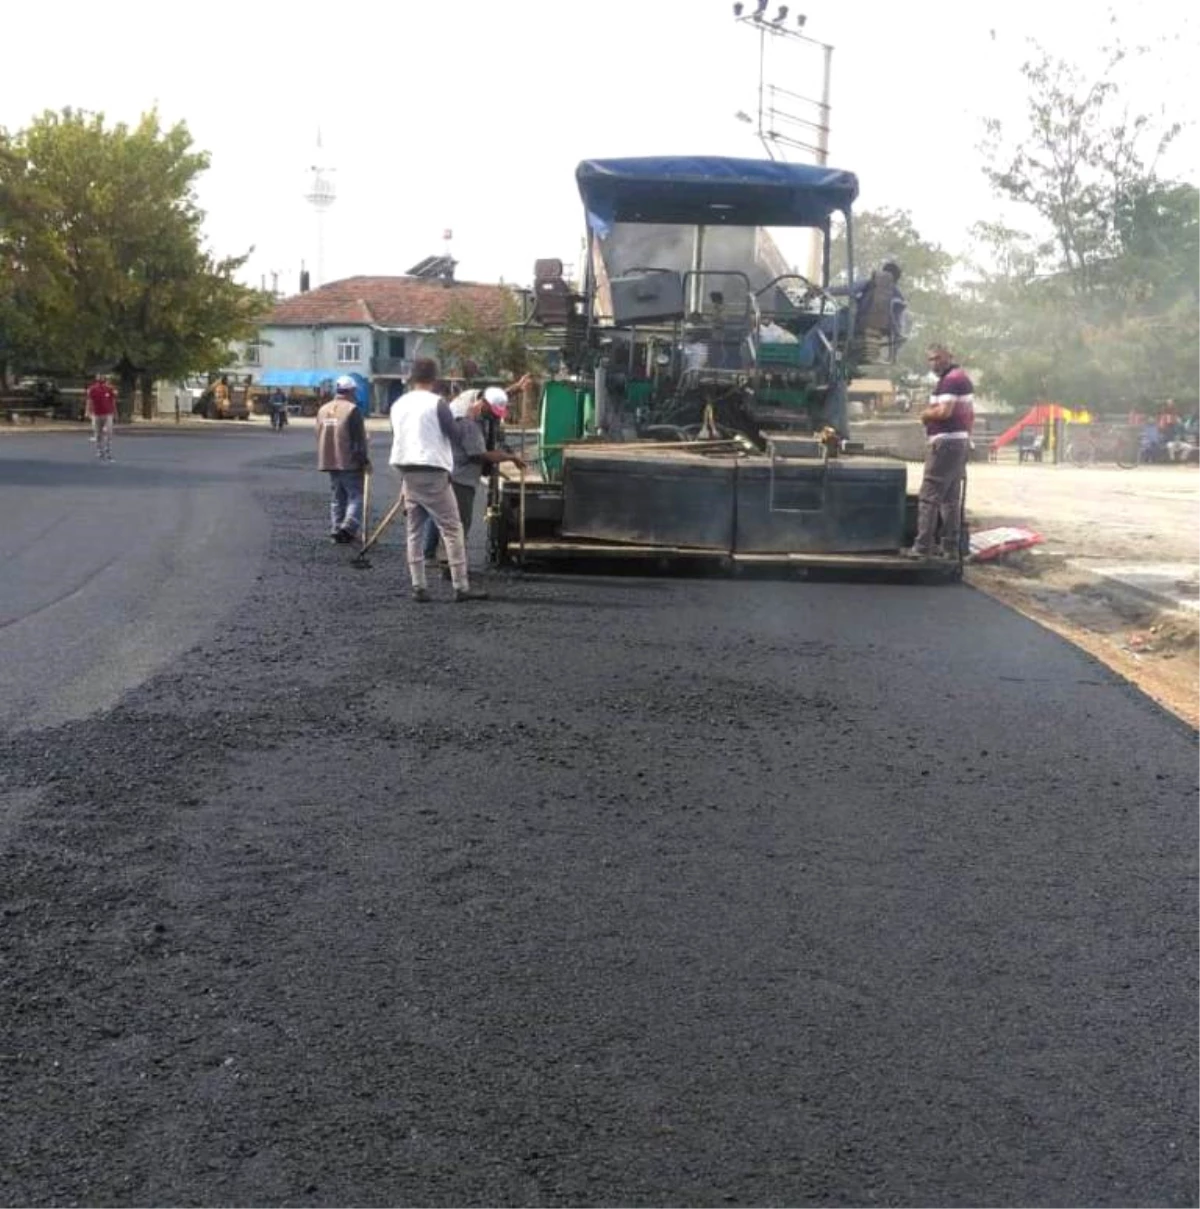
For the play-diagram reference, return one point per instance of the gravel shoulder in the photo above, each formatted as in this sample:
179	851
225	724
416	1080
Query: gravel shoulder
1123	519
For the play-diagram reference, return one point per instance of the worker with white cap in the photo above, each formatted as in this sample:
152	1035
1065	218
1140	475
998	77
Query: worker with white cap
342	453
472	411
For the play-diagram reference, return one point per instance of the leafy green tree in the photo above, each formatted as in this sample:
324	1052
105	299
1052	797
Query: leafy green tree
1096	304
1078	161
35	303
498	350
118	206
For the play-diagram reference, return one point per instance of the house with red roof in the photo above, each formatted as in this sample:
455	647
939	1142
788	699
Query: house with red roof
370	327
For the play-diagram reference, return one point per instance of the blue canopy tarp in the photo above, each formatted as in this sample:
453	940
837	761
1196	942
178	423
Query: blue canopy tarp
712	190
312	379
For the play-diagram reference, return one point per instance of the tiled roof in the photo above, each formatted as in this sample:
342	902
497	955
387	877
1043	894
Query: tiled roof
388	302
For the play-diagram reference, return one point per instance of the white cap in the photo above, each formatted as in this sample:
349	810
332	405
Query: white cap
346	383
497	400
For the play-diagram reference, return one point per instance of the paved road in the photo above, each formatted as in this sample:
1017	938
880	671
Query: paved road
112	569
624	891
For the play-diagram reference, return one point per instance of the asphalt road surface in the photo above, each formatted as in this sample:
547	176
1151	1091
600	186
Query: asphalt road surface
623	891
111	569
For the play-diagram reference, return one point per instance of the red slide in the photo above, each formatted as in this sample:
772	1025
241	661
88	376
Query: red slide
1038	414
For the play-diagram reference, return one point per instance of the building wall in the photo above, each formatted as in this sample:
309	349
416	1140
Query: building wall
312	348
316	348
305	348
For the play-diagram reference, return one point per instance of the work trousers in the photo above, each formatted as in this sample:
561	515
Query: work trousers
346	500
940	497
102	428
465	498
427	496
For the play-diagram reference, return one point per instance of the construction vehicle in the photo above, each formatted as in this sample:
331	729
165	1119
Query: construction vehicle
704	412
225	400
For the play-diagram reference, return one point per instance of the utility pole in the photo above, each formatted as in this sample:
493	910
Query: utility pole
771	116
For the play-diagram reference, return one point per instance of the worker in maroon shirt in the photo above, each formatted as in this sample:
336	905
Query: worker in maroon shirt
948	421
102	407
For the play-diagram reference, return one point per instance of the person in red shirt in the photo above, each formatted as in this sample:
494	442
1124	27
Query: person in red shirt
102	407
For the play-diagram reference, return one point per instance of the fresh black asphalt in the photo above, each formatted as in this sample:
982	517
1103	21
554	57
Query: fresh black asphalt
608	891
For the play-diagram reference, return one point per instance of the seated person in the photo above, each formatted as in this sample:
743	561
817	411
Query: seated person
1030	443
716	340
1181	449
880	313
1168	423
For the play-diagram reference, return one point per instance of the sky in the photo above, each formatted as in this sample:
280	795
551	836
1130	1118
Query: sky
472	116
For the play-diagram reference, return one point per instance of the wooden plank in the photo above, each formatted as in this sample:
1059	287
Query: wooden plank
879	562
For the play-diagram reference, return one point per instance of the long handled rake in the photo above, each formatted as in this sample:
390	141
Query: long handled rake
360	561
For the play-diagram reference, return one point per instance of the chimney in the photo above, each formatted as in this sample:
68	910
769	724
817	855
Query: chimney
447	273
304	279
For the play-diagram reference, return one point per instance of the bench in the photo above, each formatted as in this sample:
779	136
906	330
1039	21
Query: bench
34	411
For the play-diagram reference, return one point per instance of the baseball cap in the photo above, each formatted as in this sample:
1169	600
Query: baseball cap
497	400
346	384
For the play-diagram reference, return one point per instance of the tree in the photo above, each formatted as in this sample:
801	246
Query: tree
35	302
118	212
496	350
1078	161
1097	305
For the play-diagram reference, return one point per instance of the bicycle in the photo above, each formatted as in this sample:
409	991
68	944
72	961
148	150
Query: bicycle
1088	448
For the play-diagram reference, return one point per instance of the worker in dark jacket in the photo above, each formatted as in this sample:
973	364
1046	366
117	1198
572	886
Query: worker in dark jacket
342	454
472	411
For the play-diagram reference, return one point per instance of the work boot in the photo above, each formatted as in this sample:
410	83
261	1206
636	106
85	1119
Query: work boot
421	595
464	594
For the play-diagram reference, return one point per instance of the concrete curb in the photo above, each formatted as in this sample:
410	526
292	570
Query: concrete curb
1173	586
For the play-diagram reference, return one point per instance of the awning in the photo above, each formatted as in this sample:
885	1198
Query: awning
313	379
298	377
712	190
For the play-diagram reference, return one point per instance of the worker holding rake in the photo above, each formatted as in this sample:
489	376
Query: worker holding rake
342	453
423	452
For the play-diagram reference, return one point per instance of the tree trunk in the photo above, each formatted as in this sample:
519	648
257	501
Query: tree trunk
148	400
126	385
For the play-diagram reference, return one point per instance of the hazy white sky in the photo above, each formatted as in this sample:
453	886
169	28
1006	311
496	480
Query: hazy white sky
473	115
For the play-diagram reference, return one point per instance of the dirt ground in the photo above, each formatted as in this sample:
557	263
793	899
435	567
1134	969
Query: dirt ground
1123	517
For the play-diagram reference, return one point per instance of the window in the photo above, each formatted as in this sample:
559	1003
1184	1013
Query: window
396	347
253	353
349	350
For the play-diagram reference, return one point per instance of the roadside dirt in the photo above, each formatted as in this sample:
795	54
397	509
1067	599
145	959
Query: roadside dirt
1106	514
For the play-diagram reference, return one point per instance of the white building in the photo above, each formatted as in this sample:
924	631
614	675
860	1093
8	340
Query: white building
371	327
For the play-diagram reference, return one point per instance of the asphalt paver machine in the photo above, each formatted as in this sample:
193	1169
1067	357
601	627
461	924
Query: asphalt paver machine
701	412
